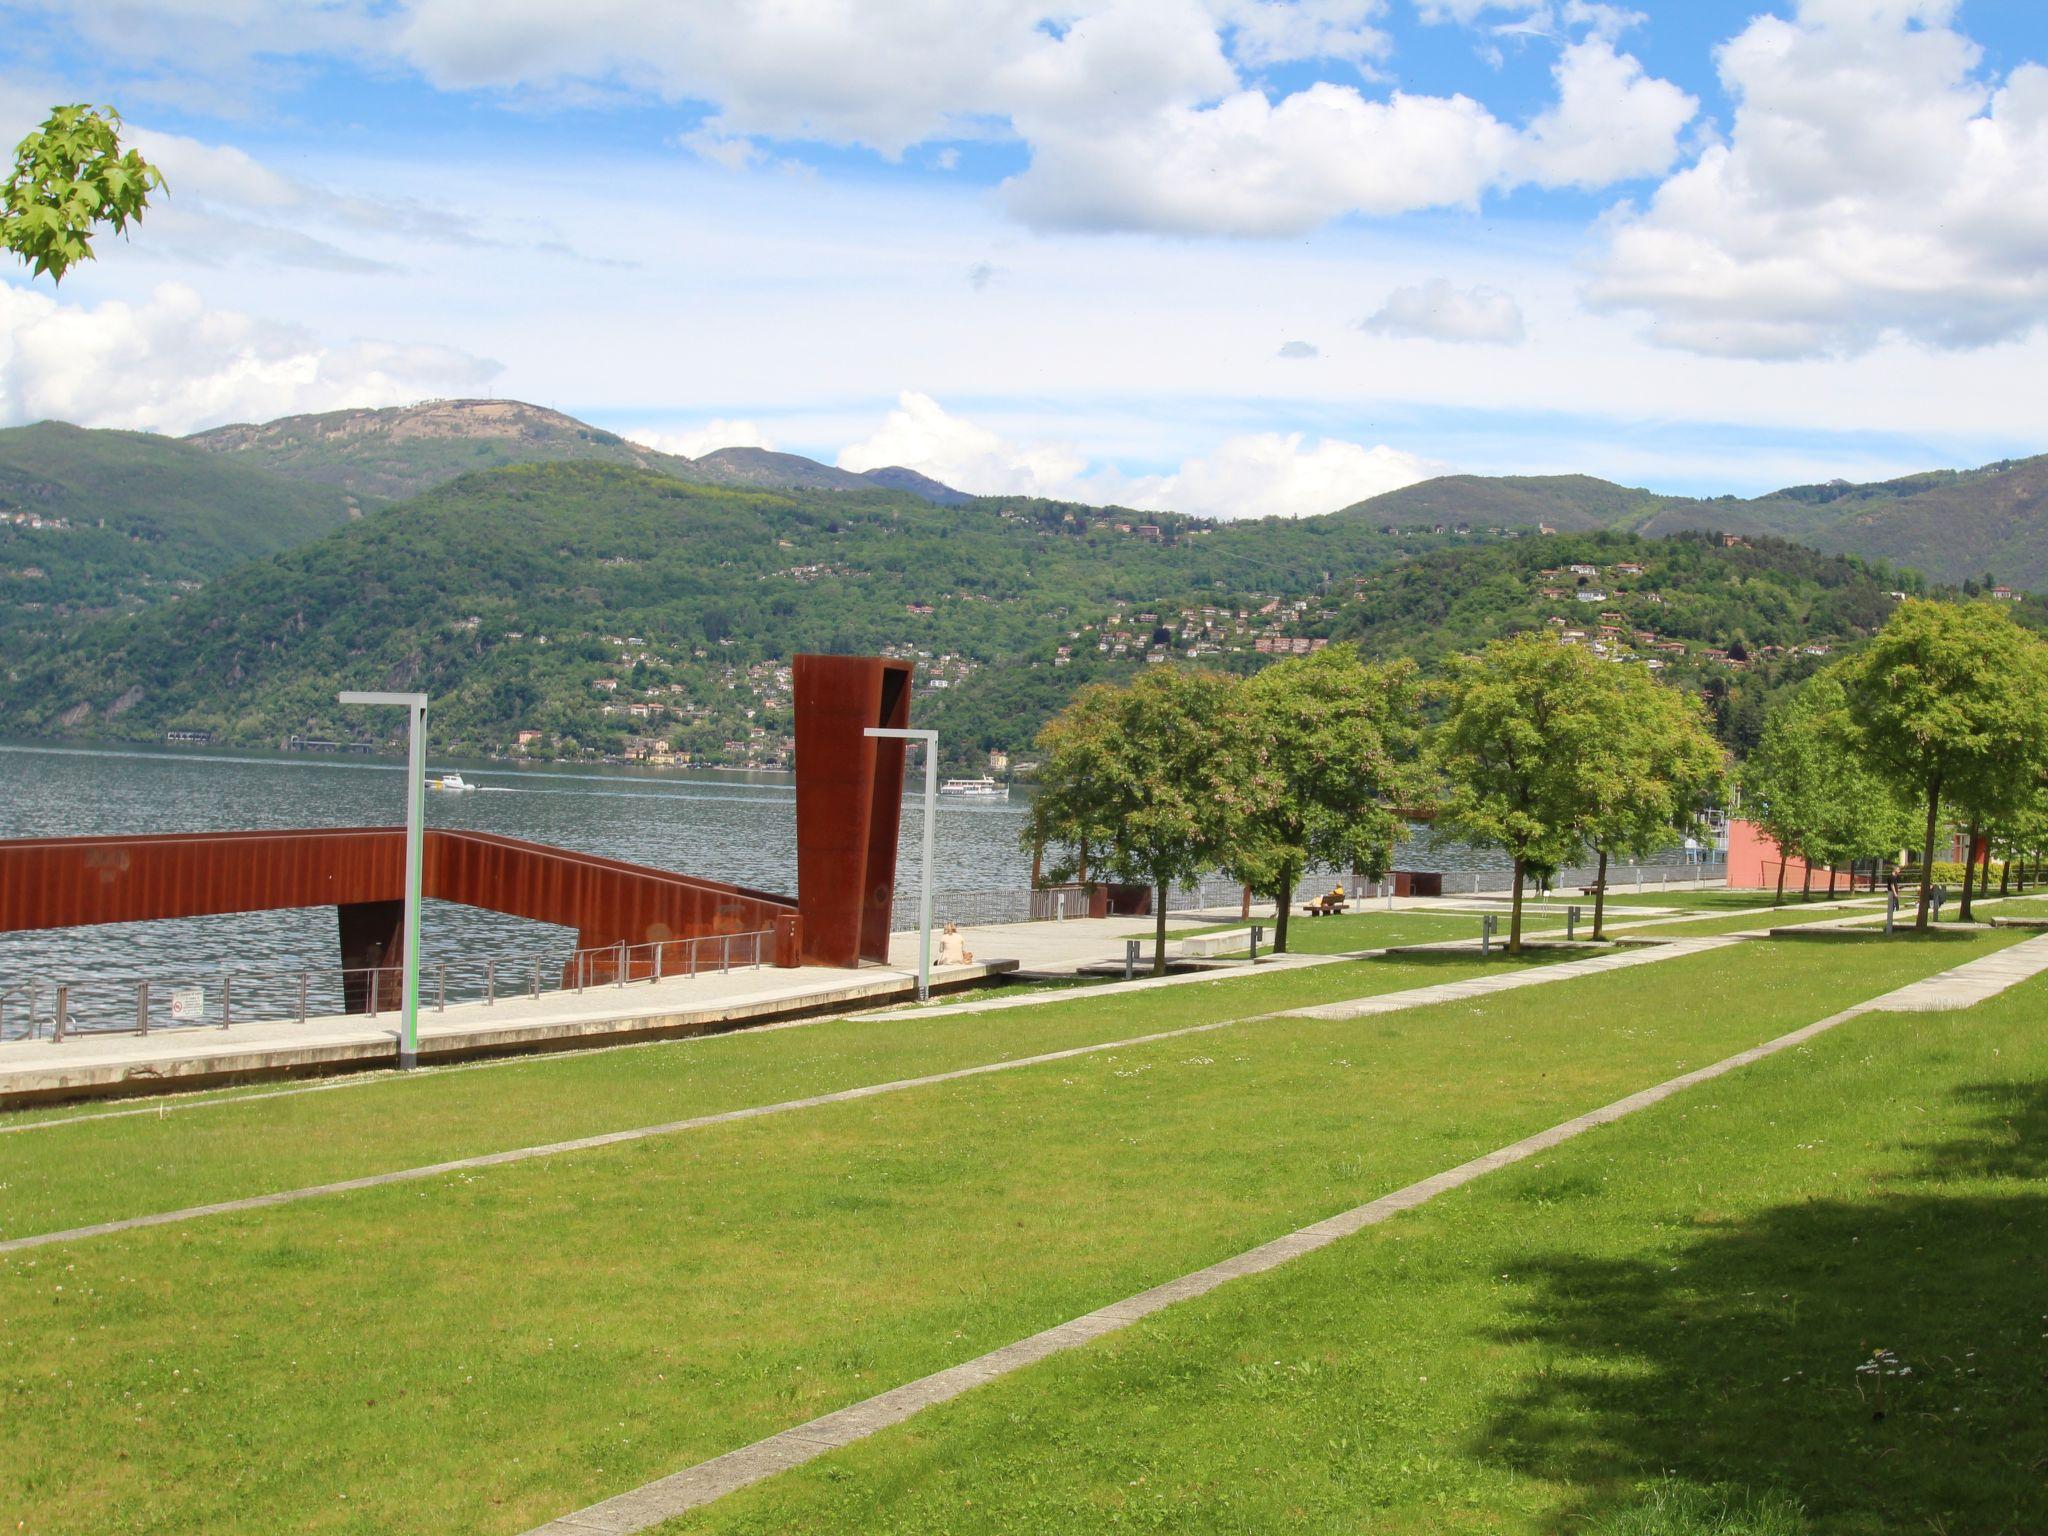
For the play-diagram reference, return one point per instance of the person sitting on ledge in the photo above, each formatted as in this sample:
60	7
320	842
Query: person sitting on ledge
953	947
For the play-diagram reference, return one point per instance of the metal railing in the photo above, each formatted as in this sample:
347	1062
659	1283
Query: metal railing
44	1008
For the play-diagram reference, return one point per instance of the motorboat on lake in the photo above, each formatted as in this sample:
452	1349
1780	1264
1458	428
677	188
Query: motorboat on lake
975	789
452	784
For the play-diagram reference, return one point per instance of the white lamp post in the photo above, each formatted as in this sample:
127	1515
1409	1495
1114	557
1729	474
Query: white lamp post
415	818
931	801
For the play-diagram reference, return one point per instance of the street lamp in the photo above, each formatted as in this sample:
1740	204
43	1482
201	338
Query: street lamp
415	815
931	801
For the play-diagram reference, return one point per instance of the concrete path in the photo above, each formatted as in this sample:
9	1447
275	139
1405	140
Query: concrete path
1971	983
648	1506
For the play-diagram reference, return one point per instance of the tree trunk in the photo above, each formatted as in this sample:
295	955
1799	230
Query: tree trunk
2005	874
1159	927
1984	884
1805	879
1037	865
1927	854
1831	882
1282	902
1082	873
1780	901
1969	874
1515	915
1600	898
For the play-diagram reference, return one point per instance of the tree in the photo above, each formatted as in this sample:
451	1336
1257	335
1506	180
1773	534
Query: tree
1811	788
69	177
1951	700
1526	717
1152	777
1650	773
1331	745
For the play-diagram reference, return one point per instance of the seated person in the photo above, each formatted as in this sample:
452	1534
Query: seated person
1334	899
953	947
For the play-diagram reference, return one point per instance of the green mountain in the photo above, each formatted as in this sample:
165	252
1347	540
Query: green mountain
1734	622
94	523
1955	525
594	604
400	451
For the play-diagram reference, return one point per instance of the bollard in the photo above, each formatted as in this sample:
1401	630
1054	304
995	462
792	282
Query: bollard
227	1001
490	983
621	972
63	1011
142	1007
1130	958
1258	933
1571	923
1489	925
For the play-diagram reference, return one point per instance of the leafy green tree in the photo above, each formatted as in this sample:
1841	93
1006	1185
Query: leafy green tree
1332	744
1152	776
1527	718
1810	787
1651	771
1951	700
69	177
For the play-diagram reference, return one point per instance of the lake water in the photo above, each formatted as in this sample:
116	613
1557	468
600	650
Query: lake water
736	827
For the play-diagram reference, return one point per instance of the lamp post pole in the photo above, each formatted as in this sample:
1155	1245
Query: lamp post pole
931	804
415	705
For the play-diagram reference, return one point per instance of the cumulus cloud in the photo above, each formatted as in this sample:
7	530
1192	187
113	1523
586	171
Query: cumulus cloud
1298	349
171	364
1263	474
1136	114
1824	225
695	442
1436	311
921	435
1281	474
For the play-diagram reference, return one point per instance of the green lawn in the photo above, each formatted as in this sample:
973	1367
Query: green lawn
483	1351
1350	932
1655	1330
92	1168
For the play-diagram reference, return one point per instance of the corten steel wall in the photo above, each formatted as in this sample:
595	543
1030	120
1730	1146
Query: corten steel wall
849	803
67	882
1753	859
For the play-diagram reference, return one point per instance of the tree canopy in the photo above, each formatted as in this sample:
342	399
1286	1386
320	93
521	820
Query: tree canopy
70	177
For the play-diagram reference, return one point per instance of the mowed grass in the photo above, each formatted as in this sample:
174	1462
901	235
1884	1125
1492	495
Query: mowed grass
481	1352
1663	1328
83	1166
1351	932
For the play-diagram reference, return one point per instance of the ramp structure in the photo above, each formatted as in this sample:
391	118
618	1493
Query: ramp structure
849	792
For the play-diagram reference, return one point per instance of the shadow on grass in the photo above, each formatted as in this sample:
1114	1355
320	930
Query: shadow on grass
1746	1361
1877	936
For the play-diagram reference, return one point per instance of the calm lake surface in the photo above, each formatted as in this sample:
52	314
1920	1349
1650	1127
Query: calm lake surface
736	827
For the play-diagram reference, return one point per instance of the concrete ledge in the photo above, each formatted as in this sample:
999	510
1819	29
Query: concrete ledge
192	1060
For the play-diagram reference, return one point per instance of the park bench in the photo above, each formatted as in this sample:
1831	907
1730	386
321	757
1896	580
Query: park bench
1592	890
1322	906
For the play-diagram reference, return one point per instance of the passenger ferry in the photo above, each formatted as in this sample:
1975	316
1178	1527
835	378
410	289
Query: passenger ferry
975	789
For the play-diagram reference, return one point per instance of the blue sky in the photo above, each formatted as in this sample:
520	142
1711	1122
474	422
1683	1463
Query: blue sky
1228	256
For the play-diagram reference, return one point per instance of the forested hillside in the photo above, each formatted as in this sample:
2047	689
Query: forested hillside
604	608
1986	526
94	523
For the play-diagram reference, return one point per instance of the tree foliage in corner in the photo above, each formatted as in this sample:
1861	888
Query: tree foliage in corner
1151	779
69	177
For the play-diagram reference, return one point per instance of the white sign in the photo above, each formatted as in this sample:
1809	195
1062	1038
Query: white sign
188	1004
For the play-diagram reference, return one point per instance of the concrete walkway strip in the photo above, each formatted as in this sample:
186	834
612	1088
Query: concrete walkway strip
1416	997
1505	981
648	1506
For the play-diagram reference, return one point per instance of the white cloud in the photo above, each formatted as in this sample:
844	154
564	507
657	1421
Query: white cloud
695	442
1137	114
171	364
1262	474
1436	311
1875	183
1281	474
1611	121
919	434
1297	350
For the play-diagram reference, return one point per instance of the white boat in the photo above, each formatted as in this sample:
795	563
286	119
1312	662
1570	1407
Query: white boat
452	784
975	789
